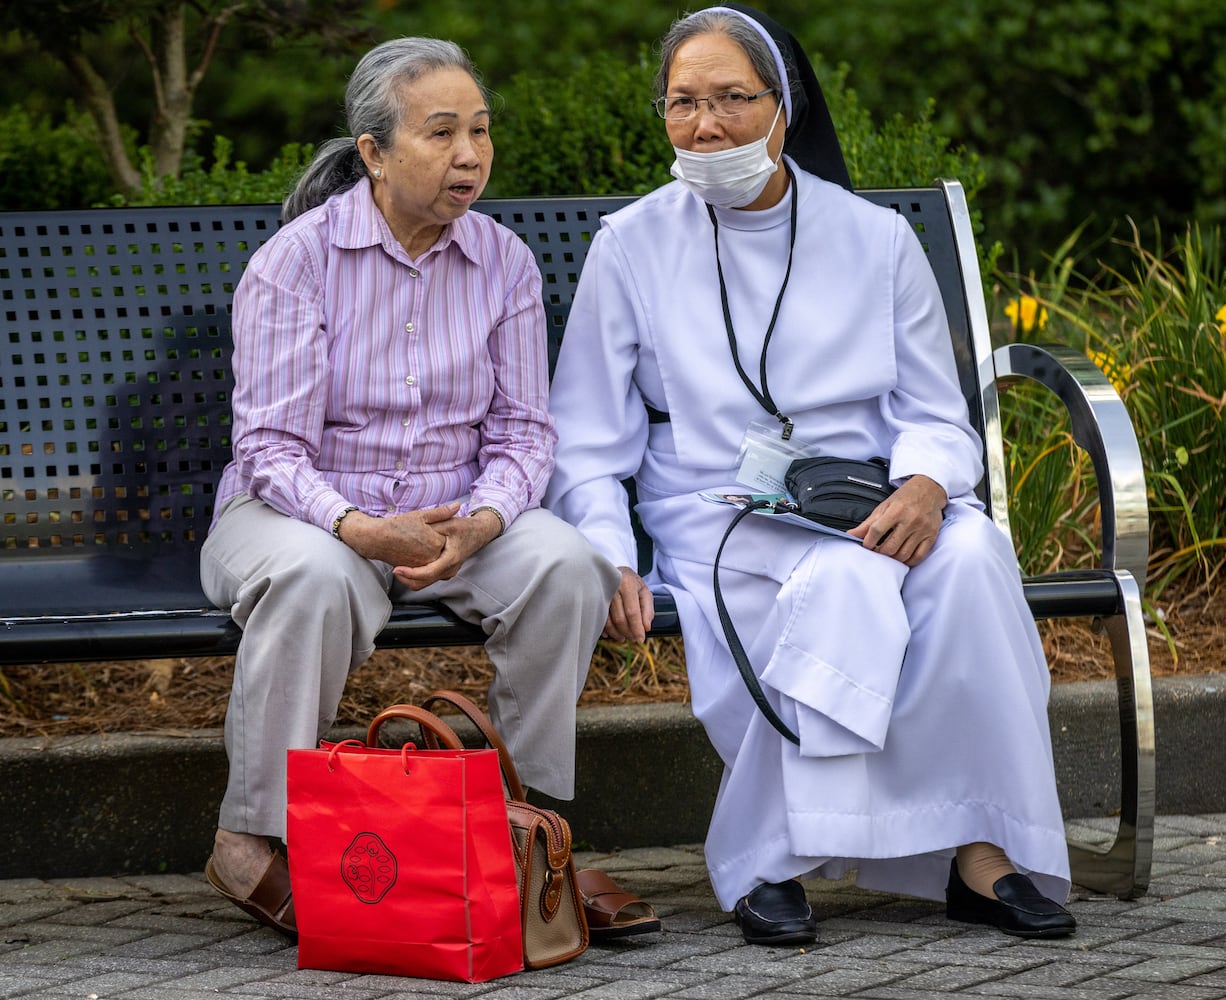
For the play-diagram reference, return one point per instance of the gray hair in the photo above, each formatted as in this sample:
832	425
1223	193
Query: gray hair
374	103
719	22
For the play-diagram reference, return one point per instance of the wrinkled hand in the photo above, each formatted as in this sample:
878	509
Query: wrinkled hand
904	526
631	610
462	536
412	539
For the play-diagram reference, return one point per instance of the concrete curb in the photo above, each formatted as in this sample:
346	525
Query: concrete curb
147	803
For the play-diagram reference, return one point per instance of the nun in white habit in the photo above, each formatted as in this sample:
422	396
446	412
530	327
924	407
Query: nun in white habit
756	295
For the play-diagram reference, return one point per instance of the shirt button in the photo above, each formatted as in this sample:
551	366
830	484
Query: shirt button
404	422
411	380
414	273
391	508
408	328
400	466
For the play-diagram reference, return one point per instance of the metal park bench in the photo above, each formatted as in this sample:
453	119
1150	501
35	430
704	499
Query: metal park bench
115	425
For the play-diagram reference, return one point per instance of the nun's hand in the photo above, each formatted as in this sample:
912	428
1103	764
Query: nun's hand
904	526
631	610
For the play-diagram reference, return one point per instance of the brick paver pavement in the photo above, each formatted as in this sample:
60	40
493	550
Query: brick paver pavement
169	937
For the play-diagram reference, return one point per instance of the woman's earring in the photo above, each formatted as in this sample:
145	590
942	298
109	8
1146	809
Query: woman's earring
378	173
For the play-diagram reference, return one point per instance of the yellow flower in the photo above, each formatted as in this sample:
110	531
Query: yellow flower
1221	319
1119	373
1027	313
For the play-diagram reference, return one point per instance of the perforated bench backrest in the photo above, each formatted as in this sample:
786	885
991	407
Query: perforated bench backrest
115	381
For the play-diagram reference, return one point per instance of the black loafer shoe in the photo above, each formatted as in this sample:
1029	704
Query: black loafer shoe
776	913
1018	909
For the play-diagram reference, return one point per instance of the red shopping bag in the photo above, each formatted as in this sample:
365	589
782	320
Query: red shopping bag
401	860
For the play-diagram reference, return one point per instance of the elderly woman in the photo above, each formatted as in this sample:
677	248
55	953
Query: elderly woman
391	444
758	298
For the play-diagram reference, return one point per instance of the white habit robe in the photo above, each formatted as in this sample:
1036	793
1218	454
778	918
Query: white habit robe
920	696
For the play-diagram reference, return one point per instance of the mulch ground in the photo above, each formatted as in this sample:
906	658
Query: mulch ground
184	694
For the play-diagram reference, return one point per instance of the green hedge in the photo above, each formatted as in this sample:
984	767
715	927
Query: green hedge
222	180
49	166
1080	109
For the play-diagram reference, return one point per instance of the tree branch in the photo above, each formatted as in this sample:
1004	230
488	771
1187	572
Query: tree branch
215	28
100	103
155	70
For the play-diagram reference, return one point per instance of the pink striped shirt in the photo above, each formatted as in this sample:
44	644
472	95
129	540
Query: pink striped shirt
365	378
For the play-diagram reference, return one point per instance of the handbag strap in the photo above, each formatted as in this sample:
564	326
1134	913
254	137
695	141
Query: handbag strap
478	718
430	724
734	641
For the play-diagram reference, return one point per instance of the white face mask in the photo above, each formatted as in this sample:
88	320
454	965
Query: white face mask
729	178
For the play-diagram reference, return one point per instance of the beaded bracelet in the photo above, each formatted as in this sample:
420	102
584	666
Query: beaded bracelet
336	524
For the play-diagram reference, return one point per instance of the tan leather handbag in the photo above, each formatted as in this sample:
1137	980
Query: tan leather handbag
554	927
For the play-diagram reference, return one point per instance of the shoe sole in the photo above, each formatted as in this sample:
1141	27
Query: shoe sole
248	907
1055	932
796	937
971	918
789	937
646	925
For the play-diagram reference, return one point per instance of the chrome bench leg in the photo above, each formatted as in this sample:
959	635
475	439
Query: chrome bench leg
1123	868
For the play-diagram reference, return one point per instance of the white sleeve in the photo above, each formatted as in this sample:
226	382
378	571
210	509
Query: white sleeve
926	411
600	416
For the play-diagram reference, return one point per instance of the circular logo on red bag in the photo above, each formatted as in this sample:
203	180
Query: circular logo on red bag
368	867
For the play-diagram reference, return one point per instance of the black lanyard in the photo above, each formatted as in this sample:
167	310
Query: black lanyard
763	395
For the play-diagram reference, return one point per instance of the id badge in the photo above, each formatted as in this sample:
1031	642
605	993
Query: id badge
765	456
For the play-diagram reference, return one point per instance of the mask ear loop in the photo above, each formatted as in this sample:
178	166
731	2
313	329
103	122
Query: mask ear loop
771	131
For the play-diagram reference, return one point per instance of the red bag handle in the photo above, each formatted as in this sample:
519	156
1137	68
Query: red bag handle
430	724
339	747
358	746
515	788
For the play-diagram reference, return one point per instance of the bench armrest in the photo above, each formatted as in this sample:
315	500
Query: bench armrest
1101	426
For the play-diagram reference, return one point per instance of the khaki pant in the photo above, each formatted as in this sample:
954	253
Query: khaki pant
310	609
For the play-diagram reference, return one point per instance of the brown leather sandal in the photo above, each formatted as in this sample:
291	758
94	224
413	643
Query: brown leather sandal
611	911
270	902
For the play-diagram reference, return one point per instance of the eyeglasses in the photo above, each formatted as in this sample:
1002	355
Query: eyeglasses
722	105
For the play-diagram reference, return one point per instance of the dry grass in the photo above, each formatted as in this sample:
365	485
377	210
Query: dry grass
168	695
180	694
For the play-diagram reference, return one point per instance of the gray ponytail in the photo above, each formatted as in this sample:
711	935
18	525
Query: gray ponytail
374	103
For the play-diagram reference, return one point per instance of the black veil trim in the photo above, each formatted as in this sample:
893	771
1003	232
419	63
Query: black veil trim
810	139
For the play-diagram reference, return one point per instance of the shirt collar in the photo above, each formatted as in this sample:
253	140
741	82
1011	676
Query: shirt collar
359	224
